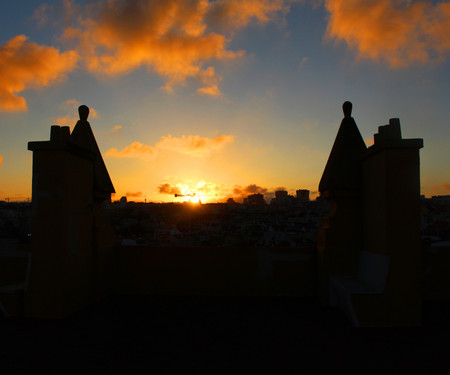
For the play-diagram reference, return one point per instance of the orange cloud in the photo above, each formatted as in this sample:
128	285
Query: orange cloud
135	150
446	186
25	65
192	145
397	32
209	90
1	160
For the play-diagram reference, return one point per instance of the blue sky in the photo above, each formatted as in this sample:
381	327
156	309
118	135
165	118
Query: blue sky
231	98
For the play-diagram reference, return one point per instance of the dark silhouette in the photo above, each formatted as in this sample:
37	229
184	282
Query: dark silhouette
83	136
72	240
369	244
133	308
373	218
343	169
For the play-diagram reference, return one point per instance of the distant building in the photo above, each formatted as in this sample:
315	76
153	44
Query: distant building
231	201
441	198
255	200
280	194
303	195
282	198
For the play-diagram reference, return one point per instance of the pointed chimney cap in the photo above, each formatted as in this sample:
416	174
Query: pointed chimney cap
343	169
83	111
347	108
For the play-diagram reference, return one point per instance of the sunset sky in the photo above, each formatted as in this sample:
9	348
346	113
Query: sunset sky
222	98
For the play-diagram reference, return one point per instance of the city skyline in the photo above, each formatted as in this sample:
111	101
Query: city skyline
221	98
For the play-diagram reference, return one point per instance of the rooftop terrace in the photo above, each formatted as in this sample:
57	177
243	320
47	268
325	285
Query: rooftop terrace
230	334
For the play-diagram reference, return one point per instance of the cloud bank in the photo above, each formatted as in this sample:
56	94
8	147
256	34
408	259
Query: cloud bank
181	40
116	129
174	38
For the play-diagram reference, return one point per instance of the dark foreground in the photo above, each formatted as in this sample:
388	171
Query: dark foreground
220	335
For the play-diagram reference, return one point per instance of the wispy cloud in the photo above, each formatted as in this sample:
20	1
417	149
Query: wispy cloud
302	63
396	32
235	14
1	160
116	129
210	90
446	186
192	145
24	65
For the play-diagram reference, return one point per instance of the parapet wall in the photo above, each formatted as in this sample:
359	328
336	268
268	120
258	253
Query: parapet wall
216	271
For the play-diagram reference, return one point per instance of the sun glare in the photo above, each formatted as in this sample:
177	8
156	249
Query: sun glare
201	193
194	200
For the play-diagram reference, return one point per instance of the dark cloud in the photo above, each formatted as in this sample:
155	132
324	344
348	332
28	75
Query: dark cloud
168	189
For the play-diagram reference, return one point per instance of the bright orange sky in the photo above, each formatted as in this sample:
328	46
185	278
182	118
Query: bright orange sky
222	98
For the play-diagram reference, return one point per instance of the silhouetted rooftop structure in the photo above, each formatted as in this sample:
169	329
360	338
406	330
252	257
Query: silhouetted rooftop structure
83	136
343	169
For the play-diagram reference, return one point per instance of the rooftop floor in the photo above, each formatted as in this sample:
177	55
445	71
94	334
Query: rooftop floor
229	334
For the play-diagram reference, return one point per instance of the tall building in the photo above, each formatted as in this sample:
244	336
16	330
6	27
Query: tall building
303	195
